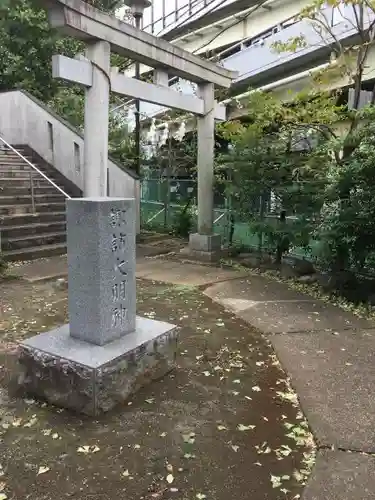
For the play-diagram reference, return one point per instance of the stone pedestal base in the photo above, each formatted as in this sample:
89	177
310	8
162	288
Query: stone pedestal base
205	248
205	242
92	379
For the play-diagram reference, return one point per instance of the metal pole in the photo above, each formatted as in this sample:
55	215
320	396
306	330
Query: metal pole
138	25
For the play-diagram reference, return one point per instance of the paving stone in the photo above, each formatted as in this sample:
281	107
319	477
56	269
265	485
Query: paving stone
334	377
339	475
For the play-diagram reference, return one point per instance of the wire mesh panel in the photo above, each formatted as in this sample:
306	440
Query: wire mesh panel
162	200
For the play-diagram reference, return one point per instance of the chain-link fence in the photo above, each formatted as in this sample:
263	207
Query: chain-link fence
162	200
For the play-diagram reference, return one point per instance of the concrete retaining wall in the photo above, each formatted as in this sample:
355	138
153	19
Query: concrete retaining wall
25	120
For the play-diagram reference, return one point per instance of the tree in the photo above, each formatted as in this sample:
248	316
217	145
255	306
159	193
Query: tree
345	230
271	160
339	165
27	44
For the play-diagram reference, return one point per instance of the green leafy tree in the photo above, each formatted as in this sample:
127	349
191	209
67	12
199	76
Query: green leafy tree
277	155
27	44
336	172
345	231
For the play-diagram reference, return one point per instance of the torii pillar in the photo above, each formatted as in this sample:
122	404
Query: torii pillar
205	244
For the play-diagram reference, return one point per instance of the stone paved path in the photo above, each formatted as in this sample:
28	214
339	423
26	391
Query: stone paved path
329	355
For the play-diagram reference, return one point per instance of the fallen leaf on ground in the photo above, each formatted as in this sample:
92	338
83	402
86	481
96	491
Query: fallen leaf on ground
31	422
88	449
126	473
43	470
256	388
242	427
276	481
189	438
137	446
200	496
235	448
222	428
170	479
3	496
298	476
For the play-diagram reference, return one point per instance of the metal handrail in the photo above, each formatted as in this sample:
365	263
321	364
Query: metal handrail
175	14
37	170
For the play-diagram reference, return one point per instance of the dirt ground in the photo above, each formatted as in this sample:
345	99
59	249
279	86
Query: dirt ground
224	426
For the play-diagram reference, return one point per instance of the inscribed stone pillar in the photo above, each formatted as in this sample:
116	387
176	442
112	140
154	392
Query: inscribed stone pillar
101	268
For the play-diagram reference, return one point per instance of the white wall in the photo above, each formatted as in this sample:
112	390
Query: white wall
255	24
230	31
24	121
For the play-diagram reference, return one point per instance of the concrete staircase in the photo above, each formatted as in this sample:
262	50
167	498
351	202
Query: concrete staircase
29	232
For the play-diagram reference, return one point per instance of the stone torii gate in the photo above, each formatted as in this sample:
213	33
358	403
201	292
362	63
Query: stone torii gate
103	33
107	352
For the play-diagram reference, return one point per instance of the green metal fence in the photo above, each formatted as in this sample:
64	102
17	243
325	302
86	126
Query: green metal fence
162	199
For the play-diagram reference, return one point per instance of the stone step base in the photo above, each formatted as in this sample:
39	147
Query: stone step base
31	232
23	182
31	219
9	232
32	240
38	252
26	199
25	175
28	209
20	190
